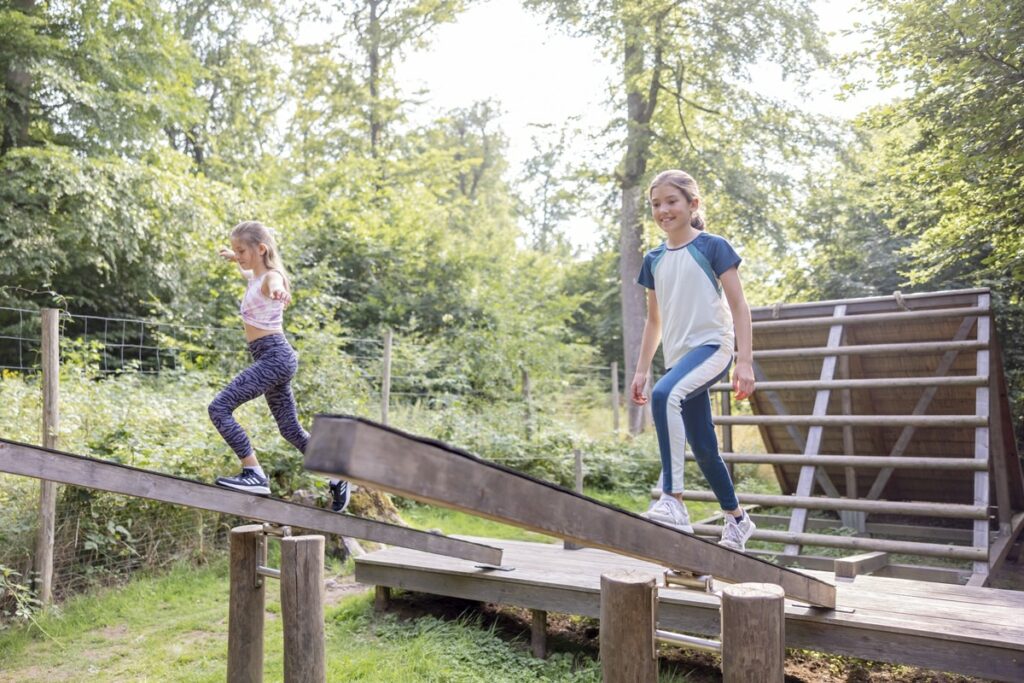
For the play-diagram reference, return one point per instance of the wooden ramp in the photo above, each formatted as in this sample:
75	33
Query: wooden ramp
891	411
434	472
962	629
77	470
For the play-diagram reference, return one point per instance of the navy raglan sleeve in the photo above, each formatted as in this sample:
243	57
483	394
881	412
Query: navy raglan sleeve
646	276
723	257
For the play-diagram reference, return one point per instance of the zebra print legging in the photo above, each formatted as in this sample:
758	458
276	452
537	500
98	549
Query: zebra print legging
274	365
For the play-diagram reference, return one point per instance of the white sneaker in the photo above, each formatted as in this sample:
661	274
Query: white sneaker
669	510
736	534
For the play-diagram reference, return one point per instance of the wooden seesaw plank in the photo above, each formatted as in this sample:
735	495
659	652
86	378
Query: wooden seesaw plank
433	472
67	468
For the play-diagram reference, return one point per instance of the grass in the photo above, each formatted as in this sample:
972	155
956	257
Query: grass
173	627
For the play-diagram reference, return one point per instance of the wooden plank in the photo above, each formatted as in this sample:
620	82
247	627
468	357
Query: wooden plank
900	349
866	563
869	318
859	461
878	383
956	552
433	472
950	510
805	482
1000	547
871	304
871	631
853	420
40	463
934	533
981	436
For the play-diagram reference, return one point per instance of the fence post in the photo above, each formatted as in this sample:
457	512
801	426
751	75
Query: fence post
527	413
302	607
615	396
627	647
726	399
246	605
578	474
50	348
753	633
385	383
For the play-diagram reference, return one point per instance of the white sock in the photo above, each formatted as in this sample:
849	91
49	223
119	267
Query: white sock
258	470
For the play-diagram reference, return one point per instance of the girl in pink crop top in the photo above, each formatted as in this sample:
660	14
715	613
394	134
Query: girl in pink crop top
274	361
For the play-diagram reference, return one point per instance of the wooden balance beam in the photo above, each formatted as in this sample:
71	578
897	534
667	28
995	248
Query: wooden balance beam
434	472
77	470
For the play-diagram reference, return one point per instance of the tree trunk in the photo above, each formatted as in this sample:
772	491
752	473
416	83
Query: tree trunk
18	87
373	55
640	107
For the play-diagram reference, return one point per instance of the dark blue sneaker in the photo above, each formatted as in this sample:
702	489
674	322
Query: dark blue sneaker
339	495
247	481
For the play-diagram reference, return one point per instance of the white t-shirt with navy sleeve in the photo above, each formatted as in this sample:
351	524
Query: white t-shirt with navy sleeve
693	308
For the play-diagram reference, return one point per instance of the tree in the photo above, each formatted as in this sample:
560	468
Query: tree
685	71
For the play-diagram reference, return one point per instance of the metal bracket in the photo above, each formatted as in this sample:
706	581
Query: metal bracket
691	580
262	569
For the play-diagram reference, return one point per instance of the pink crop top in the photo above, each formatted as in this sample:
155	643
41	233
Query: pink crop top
259	310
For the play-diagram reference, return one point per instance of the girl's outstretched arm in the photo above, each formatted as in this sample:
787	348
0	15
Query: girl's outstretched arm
743	375
648	345
229	255
273	287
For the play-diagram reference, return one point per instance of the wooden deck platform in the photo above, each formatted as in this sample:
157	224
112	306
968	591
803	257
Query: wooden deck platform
968	630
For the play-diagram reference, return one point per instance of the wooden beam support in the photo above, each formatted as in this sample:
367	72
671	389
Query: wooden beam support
867	563
981	435
951	510
77	470
805	484
954	552
870	318
853	420
868	350
880	383
432	472
858	461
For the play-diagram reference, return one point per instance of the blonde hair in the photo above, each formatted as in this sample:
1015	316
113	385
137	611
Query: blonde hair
254	233
684	182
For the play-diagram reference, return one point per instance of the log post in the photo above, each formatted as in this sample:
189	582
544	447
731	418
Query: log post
578	472
302	608
615	396
539	633
246	605
628	602
753	633
385	382
51	425
381	598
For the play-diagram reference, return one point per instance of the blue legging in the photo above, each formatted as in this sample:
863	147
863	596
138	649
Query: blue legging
270	375
681	408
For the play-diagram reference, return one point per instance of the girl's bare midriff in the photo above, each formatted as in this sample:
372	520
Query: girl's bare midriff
254	333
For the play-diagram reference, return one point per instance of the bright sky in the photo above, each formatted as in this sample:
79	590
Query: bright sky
538	75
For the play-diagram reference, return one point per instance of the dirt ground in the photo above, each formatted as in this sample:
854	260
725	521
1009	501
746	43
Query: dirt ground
580	635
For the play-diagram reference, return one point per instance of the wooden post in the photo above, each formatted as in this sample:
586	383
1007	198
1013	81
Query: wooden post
628	602
385	382
302	608
539	633
527	413
51	425
381	598
753	633
246	605
615	397
578	472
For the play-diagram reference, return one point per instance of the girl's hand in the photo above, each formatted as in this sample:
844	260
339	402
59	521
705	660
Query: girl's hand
278	293
227	254
637	388
743	380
